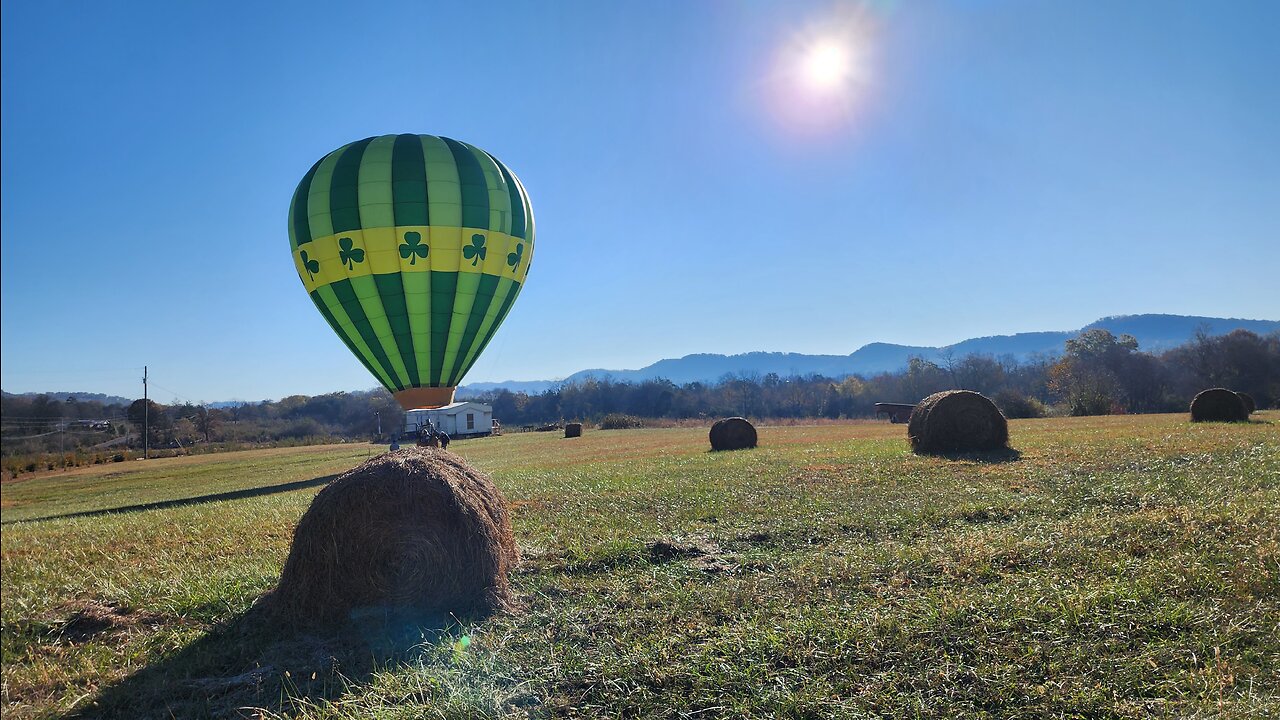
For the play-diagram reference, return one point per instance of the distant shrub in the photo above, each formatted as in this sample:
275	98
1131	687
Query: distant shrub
1091	404
618	421
301	428
1016	405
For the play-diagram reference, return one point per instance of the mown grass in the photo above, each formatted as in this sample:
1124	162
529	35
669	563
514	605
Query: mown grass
1114	567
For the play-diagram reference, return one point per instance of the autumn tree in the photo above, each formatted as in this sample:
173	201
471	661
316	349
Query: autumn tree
1090	377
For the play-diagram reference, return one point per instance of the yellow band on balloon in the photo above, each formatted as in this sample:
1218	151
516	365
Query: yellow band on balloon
388	250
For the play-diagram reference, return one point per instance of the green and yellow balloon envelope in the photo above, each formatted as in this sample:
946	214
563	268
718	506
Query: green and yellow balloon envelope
413	247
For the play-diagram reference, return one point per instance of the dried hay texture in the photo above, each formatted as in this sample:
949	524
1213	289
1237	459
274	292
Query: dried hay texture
417	529
1250	407
957	421
572	430
1218	405
733	433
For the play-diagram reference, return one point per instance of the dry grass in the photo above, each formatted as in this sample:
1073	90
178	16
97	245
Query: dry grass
1121	567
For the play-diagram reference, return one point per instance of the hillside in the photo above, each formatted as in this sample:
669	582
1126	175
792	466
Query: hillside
1153	332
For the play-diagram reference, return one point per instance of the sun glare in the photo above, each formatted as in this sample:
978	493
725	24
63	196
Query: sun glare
826	65
822	72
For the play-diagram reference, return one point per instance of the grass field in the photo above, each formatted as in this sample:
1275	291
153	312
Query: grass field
1115	567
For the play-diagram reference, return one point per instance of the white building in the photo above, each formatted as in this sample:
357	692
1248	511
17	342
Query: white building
460	419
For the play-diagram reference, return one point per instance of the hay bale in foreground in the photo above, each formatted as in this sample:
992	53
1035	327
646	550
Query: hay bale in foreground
957	421
417	529
733	433
572	430
1218	405
1250	407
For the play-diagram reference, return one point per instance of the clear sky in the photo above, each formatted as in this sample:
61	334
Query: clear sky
707	176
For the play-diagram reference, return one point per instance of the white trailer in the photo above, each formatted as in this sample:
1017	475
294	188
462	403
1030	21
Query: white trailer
457	420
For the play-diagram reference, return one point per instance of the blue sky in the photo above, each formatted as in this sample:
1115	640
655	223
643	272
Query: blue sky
991	167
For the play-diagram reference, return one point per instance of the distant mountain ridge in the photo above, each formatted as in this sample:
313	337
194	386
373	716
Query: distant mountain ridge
1153	332
61	396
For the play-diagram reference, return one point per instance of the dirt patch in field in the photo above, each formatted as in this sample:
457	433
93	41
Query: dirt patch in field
702	554
84	620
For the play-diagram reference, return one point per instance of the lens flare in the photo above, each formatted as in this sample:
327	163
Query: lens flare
822	72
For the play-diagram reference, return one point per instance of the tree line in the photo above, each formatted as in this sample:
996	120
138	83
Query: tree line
1097	373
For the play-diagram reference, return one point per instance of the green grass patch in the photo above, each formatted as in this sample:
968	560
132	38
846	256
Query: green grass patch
1116	567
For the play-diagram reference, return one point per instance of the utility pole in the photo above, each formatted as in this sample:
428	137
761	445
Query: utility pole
146	418
378	415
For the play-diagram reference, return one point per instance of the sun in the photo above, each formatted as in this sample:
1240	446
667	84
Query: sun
826	66
821	75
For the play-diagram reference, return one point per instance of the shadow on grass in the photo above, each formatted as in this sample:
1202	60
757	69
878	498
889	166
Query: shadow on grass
1003	455
162	504
256	663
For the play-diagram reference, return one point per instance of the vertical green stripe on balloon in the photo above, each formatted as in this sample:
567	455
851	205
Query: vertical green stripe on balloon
318	197
444	286
496	183
479	309
299	227
417	300
529	230
487	335
475	192
409	182
331	307
487	324
376	204
344	188
367	292
351	304
514	199
464	299
338	330
443	186
391	293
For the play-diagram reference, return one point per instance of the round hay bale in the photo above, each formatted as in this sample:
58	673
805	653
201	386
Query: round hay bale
1218	405
572	430
733	433
957	421
1250	407
418	529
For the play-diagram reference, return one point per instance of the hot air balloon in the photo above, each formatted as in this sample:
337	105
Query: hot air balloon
413	248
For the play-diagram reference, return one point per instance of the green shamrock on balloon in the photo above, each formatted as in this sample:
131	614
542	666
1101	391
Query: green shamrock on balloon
412	248
476	251
349	255
312	266
513	259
